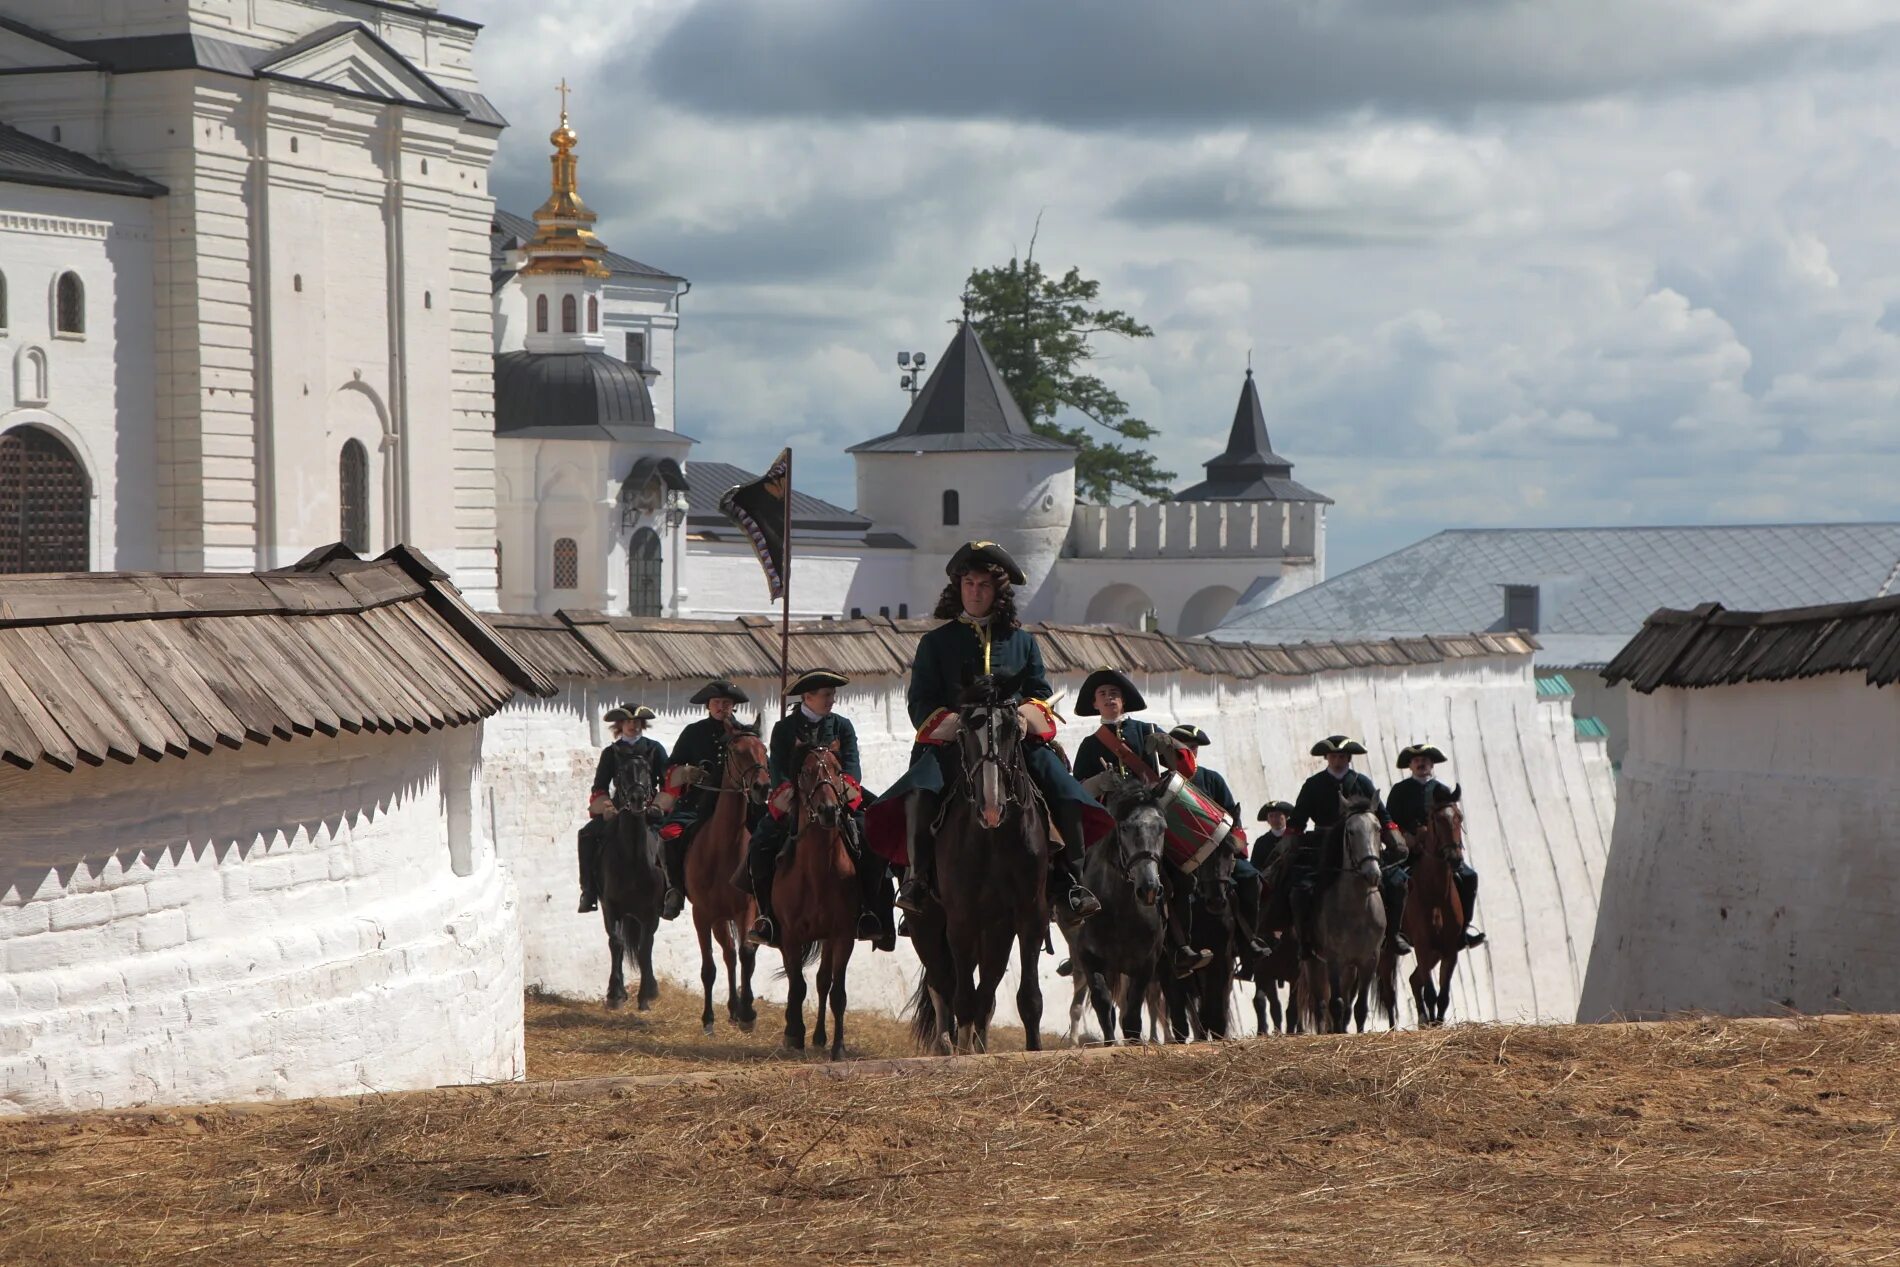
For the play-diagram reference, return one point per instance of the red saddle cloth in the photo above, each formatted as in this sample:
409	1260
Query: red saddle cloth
887	829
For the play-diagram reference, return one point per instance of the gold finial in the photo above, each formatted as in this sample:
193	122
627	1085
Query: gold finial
564	240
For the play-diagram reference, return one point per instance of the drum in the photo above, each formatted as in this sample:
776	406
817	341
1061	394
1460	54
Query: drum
1196	826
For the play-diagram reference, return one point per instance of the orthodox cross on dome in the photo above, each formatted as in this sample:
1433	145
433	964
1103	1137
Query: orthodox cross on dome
564	241
563	90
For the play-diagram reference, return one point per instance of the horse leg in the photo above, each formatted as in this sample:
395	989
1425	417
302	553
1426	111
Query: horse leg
616	951
795	997
1080	997
748	962
729	939
1134	991
1445	969
1424	998
1029	989
1360	1003
643	953
823	994
702	925
840	949
1099	998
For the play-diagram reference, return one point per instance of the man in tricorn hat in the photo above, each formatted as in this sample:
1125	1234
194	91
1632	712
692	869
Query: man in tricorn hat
1410	803
692	783
816	723
1315	811
1185	758
619	783
982	635
1275	814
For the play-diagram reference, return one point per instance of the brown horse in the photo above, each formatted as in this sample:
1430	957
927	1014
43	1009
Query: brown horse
719	909
815	896
1335	988
1434	916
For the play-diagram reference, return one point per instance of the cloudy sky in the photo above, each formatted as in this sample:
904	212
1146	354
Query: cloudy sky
1497	262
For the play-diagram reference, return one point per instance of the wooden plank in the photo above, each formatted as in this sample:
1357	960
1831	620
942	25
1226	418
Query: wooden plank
330	639
310	594
417	696
238	634
225	595
95	731
293	663
452	700
338	691
35	600
383	583
50	743
19	742
248	701
480	676
144	717
151	658
166	648
376	664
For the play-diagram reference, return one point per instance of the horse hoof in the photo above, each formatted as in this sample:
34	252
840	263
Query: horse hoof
706	1029
613	1004
643	1005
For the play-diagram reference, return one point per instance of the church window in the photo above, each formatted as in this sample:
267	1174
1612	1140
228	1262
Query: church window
30	386
296	282
428	299
70	304
293	145
593	315
952	511
45	504
637	350
353	496
643	574
567	564
541	314
570	315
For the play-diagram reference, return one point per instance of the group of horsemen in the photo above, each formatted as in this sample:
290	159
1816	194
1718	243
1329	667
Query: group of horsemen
982	635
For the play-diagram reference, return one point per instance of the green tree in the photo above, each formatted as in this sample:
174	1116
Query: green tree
1038	330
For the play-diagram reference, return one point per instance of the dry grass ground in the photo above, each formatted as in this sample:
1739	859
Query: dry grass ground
1734	1144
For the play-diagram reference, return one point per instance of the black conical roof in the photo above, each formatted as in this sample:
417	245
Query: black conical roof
963	407
1249	470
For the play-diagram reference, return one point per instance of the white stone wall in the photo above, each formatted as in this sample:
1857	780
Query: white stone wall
93	390
1756	865
1538	807
323	916
724	580
1188	596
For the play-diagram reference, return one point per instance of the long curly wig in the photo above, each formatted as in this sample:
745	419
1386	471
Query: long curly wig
1003	617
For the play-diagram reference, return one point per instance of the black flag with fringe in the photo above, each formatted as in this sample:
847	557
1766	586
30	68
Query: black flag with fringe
759	508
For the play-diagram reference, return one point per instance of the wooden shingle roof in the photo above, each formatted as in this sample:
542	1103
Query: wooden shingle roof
123	666
1711	646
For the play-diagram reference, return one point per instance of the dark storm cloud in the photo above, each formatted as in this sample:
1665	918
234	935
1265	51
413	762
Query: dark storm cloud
1116	63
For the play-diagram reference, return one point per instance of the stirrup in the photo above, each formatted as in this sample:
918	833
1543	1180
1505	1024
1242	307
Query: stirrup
1473	938
912	896
762	933
1064	968
869	926
1189	960
1083	903
672	902
589	903
1400	944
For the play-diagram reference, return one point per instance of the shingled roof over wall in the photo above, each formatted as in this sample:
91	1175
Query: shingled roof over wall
1712	646
121	665
588	645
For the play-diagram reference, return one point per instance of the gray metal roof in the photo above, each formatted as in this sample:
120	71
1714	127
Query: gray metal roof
510	231
1596	585
963	407
707	482
569	391
1249	470
27	160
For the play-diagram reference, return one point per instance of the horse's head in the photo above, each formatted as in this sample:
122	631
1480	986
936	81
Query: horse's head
1446	826
1214	880
1359	840
1139	831
989	746
746	763
821	785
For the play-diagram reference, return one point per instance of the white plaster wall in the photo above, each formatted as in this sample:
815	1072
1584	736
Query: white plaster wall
1539	808
316	917
1756	865
1098	590
724	580
99	385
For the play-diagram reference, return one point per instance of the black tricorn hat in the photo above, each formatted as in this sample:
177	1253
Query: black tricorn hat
638	713
1105	676
1273	807
1428	750
817	680
972	555
1192	736
1339	743
719	688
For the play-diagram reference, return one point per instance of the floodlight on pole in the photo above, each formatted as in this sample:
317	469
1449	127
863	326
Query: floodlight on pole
912	377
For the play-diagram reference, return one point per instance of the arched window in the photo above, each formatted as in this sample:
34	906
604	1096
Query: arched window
952	512
567	564
540	314
353	496
570	315
70	304
593	315
30	386
45	504
3	301
643	575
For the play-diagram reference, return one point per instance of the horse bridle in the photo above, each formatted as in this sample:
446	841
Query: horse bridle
1127	861
1340	868
744	784
807	806
988	754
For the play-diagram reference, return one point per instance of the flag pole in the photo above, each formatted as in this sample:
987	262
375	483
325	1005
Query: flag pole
785	598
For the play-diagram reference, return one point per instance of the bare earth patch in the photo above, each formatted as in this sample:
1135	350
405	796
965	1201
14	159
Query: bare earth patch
1729	1143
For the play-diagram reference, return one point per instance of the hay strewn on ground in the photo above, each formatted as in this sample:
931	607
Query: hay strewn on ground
1731	1144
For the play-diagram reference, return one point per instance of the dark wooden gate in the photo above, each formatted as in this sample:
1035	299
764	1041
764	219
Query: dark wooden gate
45	505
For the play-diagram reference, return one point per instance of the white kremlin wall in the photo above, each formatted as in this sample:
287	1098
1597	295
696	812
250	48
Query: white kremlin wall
1756	866
1539	807
316	917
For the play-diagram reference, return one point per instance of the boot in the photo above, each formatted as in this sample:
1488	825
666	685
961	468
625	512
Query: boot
590	867
764	859
1247	916
1067	864
921	817
1393	891
1467	881
874	902
673	858
1305	920
1186	959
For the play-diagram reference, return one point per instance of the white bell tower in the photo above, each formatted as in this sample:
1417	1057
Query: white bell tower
566	268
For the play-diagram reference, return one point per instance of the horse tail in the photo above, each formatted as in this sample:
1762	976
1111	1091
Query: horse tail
809	957
923	1015
1388	983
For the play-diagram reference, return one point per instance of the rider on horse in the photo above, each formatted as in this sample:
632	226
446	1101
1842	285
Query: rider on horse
816	724
616	784
1410	804
691	787
1186	760
983	636
1315	812
1278	835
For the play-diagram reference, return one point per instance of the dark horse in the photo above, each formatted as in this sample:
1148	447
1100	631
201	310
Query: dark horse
1201	1003
815	896
992	874
1434	916
1114	954
632	883
1350	923
721	910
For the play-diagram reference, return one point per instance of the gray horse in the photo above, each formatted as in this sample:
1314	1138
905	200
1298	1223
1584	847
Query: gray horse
632	882
1350	924
1113	955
